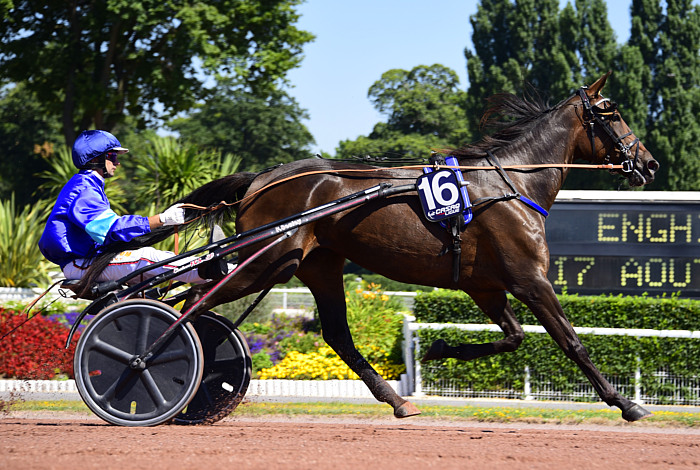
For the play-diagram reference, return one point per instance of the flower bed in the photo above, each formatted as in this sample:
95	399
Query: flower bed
34	349
293	348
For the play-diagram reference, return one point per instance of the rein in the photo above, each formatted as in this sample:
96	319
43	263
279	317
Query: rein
500	168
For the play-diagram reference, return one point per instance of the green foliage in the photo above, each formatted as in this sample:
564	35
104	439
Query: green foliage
515	42
663	313
669	40
425	100
261	360
614	355
301	342
26	135
263	130
424	109
21	262
385	142
97	62
386	284
170	170
233	310
375	323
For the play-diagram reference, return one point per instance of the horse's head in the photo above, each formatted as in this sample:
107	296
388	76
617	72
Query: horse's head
608	138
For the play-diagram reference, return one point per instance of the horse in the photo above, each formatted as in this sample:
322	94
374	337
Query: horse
503	248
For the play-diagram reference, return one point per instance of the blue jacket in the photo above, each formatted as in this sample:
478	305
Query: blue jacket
82	222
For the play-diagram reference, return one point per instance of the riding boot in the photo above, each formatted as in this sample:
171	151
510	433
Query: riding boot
215	269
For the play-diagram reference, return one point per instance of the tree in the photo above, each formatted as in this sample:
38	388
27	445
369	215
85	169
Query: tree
515	43
261	129
95	62
528	42
669	43
595	43
424	109
26	138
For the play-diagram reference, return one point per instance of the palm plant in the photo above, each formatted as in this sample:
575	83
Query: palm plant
171	170
21	262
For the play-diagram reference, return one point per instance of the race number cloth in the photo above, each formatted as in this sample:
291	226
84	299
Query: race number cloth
127	262
443	193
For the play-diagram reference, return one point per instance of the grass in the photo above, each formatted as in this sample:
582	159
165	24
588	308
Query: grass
504	414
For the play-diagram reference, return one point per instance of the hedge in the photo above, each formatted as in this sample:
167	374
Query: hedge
614	355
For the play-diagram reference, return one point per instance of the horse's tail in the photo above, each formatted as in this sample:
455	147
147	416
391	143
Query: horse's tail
229	189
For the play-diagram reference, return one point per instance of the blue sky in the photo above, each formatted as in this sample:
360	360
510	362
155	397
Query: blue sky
357	41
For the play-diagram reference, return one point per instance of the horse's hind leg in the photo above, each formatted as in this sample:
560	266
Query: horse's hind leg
541	299
496	306
322	272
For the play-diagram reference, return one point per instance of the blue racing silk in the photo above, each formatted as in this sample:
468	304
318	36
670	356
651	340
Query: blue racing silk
82	222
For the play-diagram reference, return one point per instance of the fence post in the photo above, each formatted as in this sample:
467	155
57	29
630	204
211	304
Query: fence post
527	390
638	382
408	357
418	384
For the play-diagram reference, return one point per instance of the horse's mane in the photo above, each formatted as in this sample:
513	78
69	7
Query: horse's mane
507	118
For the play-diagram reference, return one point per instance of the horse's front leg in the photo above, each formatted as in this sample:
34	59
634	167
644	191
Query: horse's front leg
495	305
539	296
321	271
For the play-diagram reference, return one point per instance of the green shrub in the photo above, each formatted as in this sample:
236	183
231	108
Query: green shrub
663	313
375	324
613	355
261	360
21	262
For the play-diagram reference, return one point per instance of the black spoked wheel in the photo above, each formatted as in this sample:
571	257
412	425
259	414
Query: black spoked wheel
144	396
227	371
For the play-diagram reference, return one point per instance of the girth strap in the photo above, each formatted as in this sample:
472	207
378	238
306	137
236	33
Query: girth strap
491	158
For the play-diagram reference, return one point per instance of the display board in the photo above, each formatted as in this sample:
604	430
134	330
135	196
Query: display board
628	242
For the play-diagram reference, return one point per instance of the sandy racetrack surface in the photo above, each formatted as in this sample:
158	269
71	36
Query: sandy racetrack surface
60	441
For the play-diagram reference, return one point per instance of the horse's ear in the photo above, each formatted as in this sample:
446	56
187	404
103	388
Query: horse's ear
594	90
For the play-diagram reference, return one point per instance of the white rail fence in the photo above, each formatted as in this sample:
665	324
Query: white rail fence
629	386
300	301
296	300
256	388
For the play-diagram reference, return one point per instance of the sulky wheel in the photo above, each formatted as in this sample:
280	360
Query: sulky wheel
227	371
137	396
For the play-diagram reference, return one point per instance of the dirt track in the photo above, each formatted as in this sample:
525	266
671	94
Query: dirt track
59	441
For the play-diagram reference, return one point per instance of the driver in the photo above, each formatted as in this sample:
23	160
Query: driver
82	223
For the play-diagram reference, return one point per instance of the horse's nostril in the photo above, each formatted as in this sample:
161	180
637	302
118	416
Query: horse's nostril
653	166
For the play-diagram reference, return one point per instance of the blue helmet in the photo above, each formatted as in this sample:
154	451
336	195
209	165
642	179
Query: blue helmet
91	144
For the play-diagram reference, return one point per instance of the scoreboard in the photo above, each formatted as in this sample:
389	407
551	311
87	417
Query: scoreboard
625	242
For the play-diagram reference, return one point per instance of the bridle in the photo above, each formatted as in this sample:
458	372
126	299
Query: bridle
602	115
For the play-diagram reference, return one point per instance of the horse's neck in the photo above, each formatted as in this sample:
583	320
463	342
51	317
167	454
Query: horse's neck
552	145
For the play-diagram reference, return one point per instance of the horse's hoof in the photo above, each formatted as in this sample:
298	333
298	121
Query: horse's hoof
436	351
406	410
634	413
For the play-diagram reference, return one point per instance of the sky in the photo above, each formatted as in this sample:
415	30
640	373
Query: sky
357	41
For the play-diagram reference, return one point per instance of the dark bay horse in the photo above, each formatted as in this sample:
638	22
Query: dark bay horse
503	249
